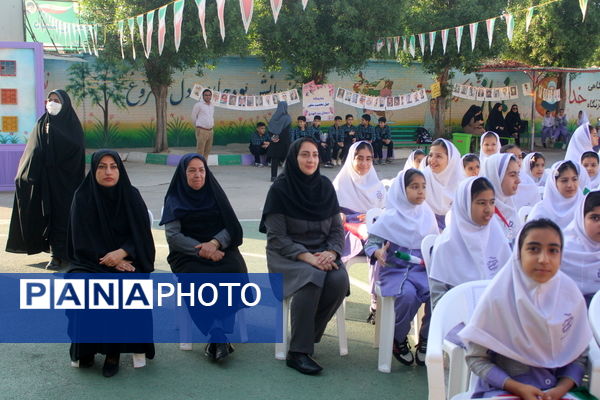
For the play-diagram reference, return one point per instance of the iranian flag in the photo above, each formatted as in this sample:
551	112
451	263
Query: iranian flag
528	18
473	33
276	7
411	46
246	7
131	23
162	12
177	20
432	41
201	4
221	15
149	30
510	25
140	23
489	23
422	43
444	34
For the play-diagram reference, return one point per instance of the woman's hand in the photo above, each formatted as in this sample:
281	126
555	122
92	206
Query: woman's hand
113	258
327	259
125	266
217	255
313	259
381	254
525	392
207	250
561	388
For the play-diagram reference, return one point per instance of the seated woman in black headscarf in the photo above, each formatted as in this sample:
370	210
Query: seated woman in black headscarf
204	234
50	170
109	232
305	240
472	121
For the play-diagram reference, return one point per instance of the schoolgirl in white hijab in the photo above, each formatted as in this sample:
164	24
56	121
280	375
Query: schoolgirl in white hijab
531	319
581	257
533	165
502	170
583	139
562	194
471	164
589	162
474	245
443	173
489	144
355	191
414	159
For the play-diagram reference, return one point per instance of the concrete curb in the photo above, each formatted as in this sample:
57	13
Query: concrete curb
173	159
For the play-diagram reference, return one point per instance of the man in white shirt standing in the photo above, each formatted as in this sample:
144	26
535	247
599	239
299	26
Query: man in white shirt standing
203	118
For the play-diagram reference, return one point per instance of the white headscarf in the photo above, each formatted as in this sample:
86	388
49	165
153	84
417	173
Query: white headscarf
527	192
402	222
462	163
441	186
543	325
581	255
410	160
495	169
482	155
581	141
584	118
356	192
466	251
554	205
526	170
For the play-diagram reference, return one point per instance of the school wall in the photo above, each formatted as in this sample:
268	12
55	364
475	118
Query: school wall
134	125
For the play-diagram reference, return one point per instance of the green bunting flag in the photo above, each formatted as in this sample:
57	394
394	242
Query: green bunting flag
489	23
411	46
422	43
162	29
510	25
379	45
583	5
528	18
149	30
131	22
140	23
177	21
458	30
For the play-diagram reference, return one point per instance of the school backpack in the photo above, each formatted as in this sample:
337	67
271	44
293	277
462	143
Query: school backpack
423	136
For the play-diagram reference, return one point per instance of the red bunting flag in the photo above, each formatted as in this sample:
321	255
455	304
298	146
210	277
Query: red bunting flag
276	7
221	16
246	7
149	30
489	23
162	12
201	4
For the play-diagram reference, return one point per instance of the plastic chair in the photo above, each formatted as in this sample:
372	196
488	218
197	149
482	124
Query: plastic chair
454	308
594	351
426	249
281	349
523	213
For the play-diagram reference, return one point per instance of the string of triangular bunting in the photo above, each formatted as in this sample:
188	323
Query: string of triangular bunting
246	8
509	19
75	36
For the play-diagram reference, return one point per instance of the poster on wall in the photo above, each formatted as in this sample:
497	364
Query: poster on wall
318	100
378	103
244	102
480	93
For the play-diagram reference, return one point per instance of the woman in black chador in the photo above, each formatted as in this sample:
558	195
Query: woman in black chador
204	234
279	131
109	232
50	170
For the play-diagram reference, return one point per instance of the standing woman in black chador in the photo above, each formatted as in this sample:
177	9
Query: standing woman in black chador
51	168
279	131
109	232
204	234
305	240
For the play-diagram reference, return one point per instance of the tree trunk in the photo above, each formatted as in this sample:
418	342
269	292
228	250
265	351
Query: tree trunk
160	96
440	108
561	84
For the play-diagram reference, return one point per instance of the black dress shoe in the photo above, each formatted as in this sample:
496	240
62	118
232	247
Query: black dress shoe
210	350
111	365
86	361
222	350
303	363
54	264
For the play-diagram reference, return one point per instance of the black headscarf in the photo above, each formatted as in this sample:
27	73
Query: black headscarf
50	170
512	121
103	219
181	199
495	119
471	114
307	197
280	120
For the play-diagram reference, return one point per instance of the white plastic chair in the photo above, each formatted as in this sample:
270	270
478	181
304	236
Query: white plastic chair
448	218
426	248
523	213
281	349
594	351
455	307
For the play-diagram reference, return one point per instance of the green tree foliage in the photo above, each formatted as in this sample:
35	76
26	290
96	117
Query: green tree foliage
159	69
557	37
331	35
427	15
103	82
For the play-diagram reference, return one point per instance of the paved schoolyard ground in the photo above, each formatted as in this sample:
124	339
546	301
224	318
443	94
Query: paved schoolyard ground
42	371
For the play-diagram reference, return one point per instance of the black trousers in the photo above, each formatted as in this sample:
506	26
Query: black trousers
336	151
274	164
312	307
257	151
377	149
390	149
325	153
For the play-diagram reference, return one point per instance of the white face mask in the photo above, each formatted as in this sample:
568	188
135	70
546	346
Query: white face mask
53	108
